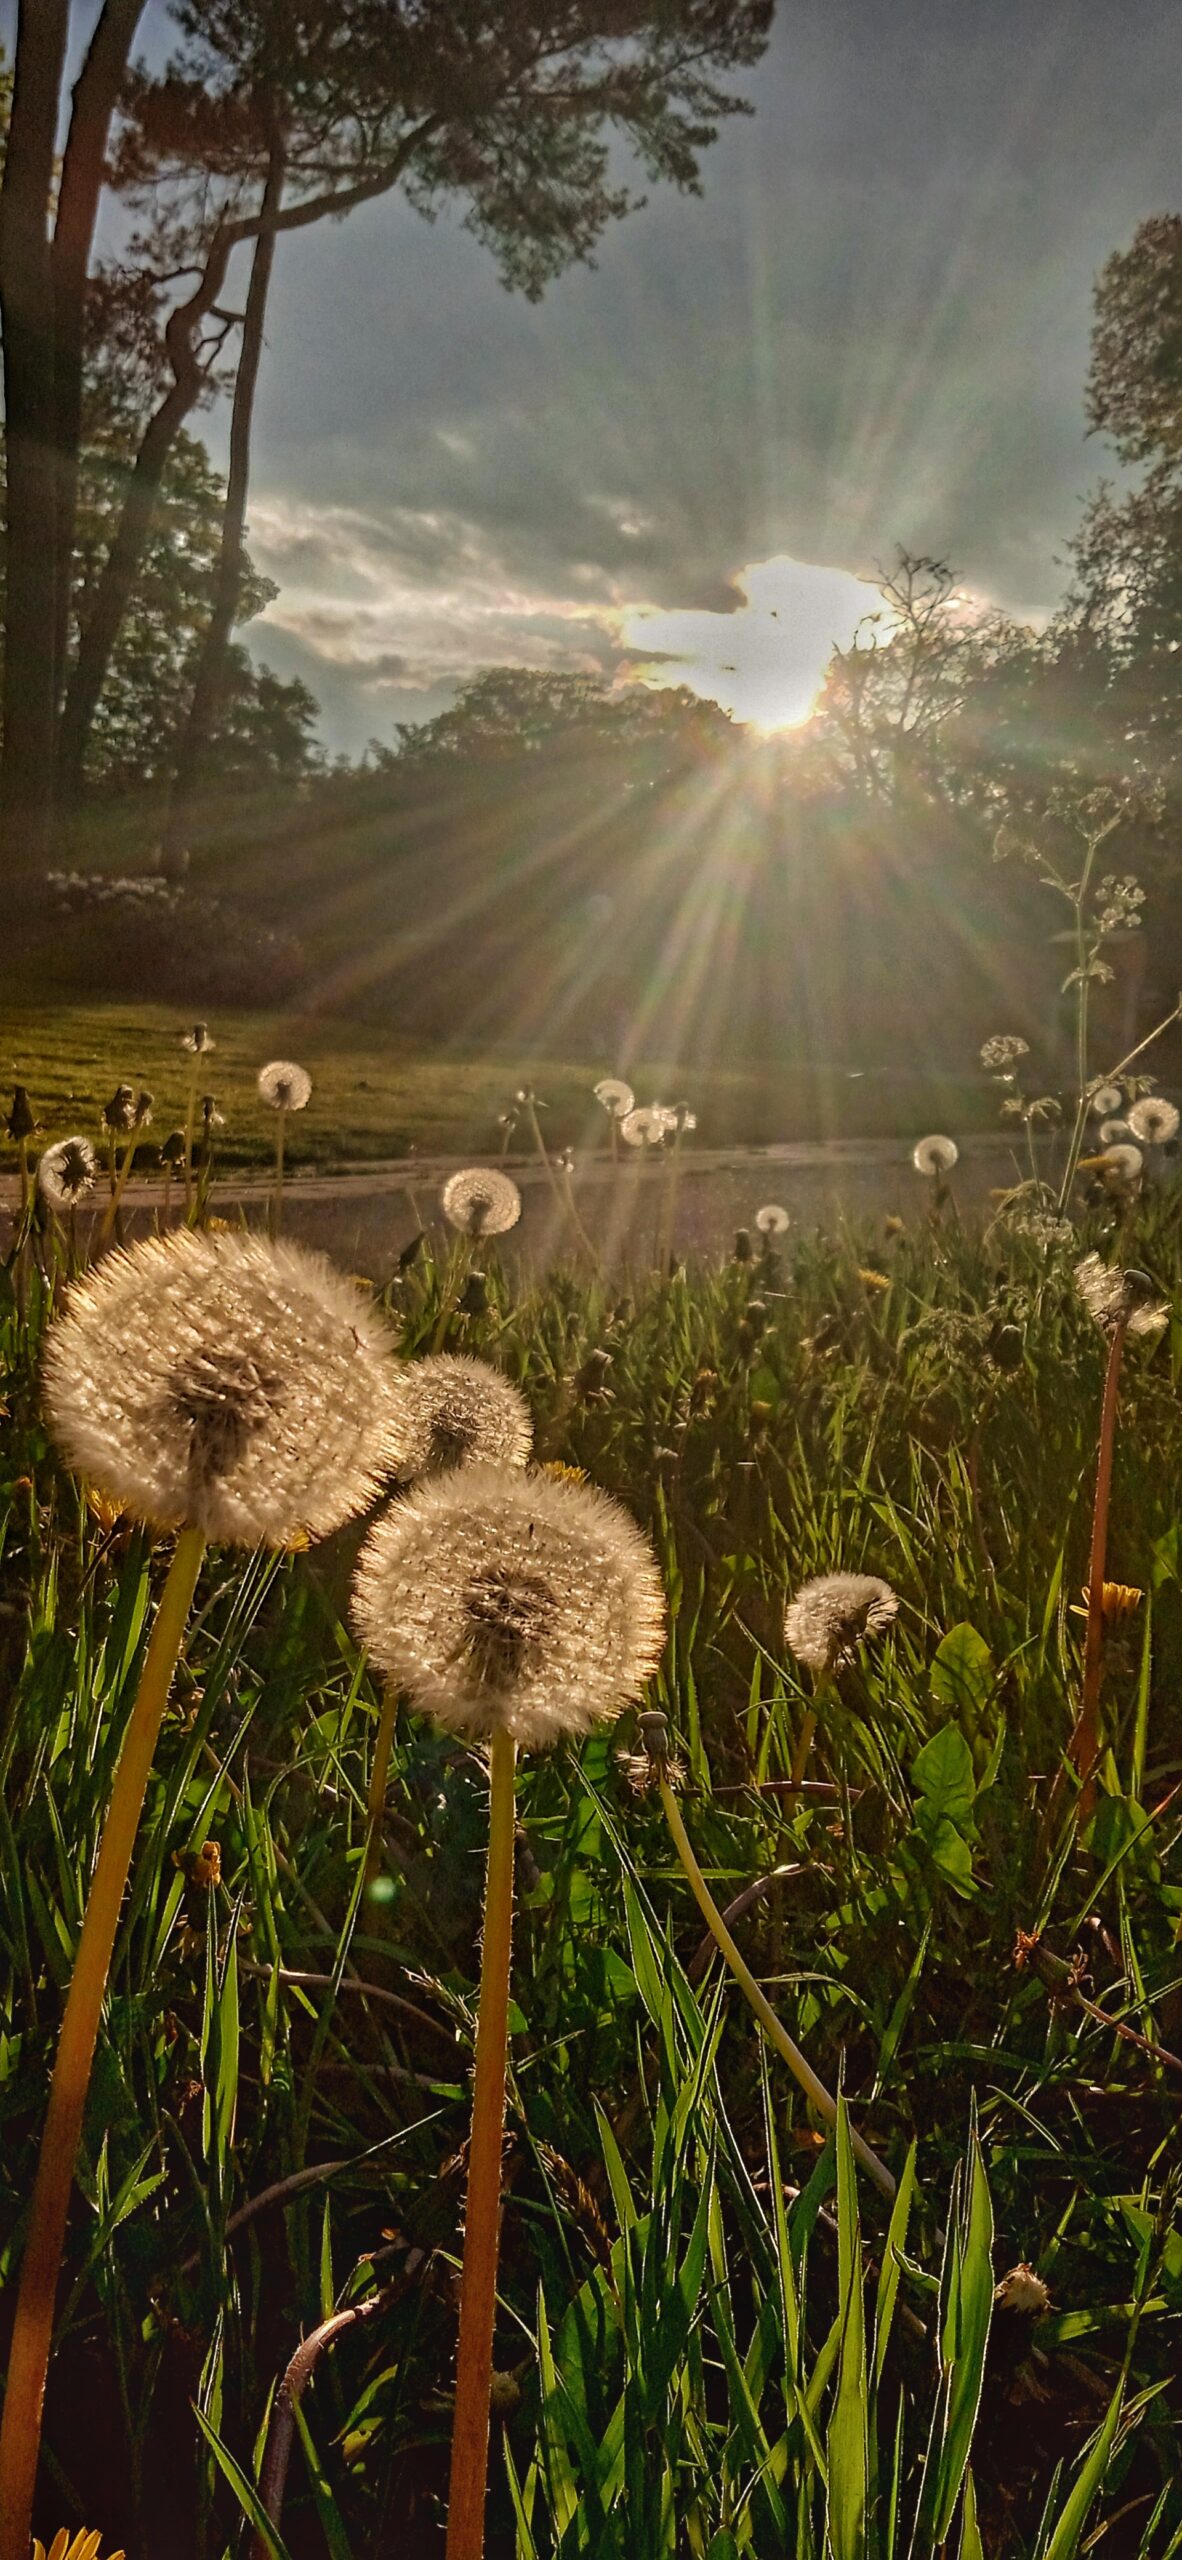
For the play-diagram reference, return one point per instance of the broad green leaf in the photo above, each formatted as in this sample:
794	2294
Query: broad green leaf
943	1775
963	1675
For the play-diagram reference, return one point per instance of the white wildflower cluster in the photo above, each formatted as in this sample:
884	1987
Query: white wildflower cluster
1118	901
80	889
1000	1055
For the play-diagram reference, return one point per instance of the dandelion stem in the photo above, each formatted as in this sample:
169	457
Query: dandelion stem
469	2452
190	1120
32	2335
1085	1740
275	1212
378	1776
110	1224
800	1757
802	2071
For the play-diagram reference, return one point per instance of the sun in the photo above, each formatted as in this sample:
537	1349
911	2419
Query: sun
765	662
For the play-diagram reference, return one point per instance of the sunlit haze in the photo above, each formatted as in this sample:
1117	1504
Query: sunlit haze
765	661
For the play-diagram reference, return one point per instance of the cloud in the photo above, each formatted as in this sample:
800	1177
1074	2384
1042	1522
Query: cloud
872	328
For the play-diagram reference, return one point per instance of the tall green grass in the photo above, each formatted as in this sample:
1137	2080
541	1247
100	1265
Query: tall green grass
713	2338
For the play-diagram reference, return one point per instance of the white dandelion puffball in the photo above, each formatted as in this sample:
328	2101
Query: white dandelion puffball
66	1173
1153	1121
504	1602
771	1220
1112	1132
1122	1164
481	1202
616	1096
829	1617
1001	1054
647	1126
285	1086
224	1384
1106	1099
934	1156
1112	1296
451	1411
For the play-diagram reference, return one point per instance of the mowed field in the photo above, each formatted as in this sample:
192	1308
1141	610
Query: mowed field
377	1096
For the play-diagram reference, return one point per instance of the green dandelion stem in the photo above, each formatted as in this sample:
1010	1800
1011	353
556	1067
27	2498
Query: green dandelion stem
32	2334
190	1123
378	1777
1085	1741
802	2070
275	1211
482	2229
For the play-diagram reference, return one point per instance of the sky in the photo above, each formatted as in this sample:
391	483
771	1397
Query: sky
870	330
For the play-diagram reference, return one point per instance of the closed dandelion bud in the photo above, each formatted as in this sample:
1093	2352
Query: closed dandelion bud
220	1383
197	1041
759	1415
1006	1348
410	1252
473	1297
143	1110
172	1148
743	1245
504	2395
703	1390
22	1120
119	1112
591	1379
508	1602
756	1314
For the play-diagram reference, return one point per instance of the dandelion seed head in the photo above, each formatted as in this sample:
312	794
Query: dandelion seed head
452	1411
481	1202
501	1601
223	1383
772	1220
197	1041
617	1097
1112	1296
935	1155
1154	1121
285	1086
1122	1164
66	1173
1113	1132
647	1126
1105	1099
828	1618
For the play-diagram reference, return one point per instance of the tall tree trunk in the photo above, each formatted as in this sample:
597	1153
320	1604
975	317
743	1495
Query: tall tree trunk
26	317
210	683
96	95
113	592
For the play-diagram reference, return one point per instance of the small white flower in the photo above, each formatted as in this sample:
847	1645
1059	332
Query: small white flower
1001	1054
285	1086
935	1155
481	1202
1153	1121
771	1220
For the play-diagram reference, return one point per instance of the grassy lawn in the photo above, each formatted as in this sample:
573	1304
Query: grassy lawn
376	1096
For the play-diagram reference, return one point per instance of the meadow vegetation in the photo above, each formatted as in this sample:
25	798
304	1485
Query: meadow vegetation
715	2335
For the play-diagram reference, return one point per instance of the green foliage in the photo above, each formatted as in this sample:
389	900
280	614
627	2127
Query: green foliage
714	2338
